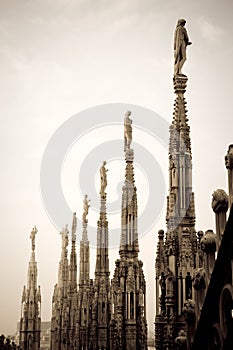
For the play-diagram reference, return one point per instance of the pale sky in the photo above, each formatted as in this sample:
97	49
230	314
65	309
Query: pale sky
60	57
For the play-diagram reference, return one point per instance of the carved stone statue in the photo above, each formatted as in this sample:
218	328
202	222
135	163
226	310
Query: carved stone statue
74	225
189	310
172	203
199	278
181	40
119	297
141	299
128	130
181	340
32	236
103	179
169	282
86	207
64	235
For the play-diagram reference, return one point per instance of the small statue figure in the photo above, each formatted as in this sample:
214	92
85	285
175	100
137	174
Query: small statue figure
64	234
103	179
86	207
141	297
127	130
119	297
172	203
32	236
74	225
181	40
170	278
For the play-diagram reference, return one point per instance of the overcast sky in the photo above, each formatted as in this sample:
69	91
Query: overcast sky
59	57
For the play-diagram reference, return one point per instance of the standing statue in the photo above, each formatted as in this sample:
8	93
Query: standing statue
32	236
74	224
103	179
86	207
181	40
128	130
64	235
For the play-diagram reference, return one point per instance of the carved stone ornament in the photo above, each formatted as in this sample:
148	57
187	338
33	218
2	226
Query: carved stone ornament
219	201
208	242
189	310
199	278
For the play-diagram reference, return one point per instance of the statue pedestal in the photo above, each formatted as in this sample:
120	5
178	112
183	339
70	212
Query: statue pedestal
129	155
180	83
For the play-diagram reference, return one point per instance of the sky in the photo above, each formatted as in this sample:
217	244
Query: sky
61	57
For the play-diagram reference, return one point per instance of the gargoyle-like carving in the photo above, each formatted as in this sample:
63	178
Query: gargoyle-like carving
219	201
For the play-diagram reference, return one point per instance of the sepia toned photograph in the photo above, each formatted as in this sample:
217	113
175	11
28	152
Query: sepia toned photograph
117	175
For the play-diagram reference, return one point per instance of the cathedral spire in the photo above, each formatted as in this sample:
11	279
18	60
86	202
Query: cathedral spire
31	300
176	256
73	256
128	324
129	234
84	270
102	261
181	198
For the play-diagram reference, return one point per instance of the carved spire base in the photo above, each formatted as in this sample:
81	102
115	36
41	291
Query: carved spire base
180	83
129	155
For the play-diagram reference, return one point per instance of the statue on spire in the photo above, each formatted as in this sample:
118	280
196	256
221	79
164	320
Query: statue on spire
86	207
32	236
64	235
128	130
181	40
74	226
103	179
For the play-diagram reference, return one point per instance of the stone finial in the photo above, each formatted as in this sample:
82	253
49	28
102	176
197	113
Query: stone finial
32	236
86	207
219	201
103	180
208	242
181	41
229	158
